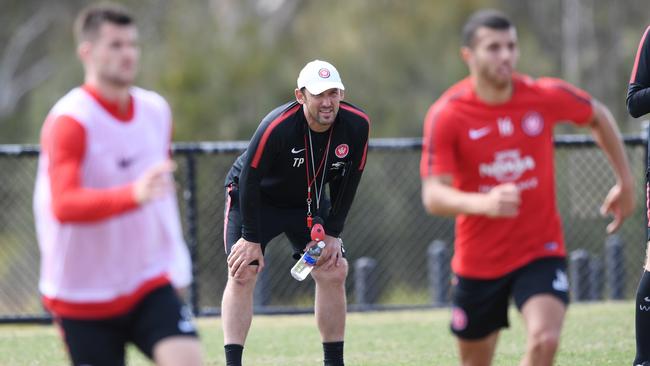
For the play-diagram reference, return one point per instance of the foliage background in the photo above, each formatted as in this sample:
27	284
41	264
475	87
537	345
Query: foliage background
223	64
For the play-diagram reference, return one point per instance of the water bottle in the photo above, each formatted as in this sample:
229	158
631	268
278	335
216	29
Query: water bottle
306	263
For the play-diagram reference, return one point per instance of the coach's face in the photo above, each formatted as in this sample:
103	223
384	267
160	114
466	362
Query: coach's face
112	56
320	109
493	55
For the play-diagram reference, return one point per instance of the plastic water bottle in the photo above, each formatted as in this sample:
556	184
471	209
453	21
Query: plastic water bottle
306	263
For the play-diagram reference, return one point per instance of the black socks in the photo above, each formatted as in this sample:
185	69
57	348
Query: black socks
642	321
233	354
333	353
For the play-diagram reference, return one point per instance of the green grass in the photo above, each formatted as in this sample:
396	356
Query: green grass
594	334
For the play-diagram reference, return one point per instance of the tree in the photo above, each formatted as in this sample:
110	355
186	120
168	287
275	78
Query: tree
20	73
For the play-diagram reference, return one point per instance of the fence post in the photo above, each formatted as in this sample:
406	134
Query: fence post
439	272
614	261
596	278
191	231
366	289
579	272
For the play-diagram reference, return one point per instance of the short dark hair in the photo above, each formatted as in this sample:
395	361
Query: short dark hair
90	19
489	18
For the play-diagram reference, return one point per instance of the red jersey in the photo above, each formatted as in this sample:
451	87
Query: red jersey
483	145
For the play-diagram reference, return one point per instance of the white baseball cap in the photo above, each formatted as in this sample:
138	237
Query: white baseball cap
318	76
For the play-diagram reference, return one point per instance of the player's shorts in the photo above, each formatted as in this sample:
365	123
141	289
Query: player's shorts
647	189
480	307
274	221
647	200
159	315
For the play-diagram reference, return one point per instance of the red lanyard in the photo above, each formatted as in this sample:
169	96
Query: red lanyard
311	181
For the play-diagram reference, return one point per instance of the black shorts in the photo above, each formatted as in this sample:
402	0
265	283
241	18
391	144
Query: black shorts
647	195
647	187
274	221
159	315
479	307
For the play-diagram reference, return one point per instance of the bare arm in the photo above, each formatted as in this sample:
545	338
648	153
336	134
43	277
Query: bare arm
620	199
440	198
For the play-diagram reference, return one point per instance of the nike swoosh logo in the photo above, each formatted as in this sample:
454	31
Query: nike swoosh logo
477	134
646	299
294	151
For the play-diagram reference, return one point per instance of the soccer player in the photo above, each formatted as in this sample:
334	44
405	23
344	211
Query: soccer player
278	186
107	219
488	160
638	104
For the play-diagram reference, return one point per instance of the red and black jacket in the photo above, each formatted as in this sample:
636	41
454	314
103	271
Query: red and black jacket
273	169
638	91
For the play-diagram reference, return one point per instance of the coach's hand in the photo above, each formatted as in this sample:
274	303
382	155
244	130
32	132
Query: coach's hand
242	254
331	254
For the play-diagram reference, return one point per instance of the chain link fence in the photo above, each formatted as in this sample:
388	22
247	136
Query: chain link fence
388	235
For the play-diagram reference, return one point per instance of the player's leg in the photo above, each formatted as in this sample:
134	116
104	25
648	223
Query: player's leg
540	290
94	342
162	327
178	351
642	313
642	307
479	352
543	316
479	310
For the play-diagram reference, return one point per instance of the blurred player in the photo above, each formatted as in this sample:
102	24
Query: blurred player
106	212
638	104
278	186
488	160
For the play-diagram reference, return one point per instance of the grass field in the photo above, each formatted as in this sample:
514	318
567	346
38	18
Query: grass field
594	334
